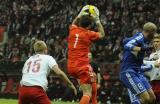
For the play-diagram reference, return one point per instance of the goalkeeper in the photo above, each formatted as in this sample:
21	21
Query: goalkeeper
79	41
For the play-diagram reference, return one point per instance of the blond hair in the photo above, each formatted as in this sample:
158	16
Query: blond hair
149	27
39	46
157	36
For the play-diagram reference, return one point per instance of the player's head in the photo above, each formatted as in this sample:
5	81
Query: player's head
86	21
40	47
156	41
149	30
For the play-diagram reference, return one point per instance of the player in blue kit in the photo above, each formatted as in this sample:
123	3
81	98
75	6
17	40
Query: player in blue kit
131	74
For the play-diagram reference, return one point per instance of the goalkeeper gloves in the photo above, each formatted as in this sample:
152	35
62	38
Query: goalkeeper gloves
94	12
84	11
90	10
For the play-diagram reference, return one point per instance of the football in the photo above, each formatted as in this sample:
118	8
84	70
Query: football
93	10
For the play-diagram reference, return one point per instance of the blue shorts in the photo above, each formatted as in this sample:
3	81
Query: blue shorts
135	82
133	98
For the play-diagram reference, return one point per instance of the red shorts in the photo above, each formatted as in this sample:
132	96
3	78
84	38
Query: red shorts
156	86
85	74
32	94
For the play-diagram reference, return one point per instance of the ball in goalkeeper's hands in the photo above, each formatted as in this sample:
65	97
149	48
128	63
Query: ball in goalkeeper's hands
93	10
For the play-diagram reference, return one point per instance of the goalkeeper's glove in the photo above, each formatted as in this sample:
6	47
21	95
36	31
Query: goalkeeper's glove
95	14
84	11
96	11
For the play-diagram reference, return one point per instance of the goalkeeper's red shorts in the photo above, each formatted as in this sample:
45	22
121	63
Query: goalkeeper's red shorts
32	95
84	74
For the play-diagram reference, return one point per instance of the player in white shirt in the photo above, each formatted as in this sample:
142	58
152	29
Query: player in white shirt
34	79
154	74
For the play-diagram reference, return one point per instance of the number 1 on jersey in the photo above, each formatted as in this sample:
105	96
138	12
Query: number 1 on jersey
75	44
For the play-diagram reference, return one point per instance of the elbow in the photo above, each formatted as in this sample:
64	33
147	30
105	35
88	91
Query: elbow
102	35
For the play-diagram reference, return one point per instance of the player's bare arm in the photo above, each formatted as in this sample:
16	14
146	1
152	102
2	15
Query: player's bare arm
100	29
64	77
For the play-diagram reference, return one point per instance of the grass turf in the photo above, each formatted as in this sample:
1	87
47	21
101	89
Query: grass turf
13	101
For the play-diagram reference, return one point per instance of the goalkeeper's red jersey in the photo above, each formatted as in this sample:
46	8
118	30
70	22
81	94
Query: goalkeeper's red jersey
79	42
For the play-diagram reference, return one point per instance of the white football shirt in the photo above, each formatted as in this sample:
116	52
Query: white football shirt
154	74
36	70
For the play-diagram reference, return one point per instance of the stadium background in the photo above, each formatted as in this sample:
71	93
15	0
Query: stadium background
22	22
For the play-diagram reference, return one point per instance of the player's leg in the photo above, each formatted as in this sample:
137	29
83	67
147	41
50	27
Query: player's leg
86	77
93	79
144	97
129	79
23	96
132	81
152	96
133	98
157	97
86	89
94	93
156	89
148	87
40	96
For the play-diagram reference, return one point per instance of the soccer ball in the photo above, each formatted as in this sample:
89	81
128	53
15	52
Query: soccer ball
93	10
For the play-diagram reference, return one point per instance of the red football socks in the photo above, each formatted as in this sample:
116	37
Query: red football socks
94	93
85	99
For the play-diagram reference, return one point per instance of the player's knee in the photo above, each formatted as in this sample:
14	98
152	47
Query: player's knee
87	89
88	92
152	98
145	100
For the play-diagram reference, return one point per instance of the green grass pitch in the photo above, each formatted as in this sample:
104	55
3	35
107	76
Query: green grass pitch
12	101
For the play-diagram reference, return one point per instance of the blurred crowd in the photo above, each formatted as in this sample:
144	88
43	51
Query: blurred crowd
49	20
25	21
